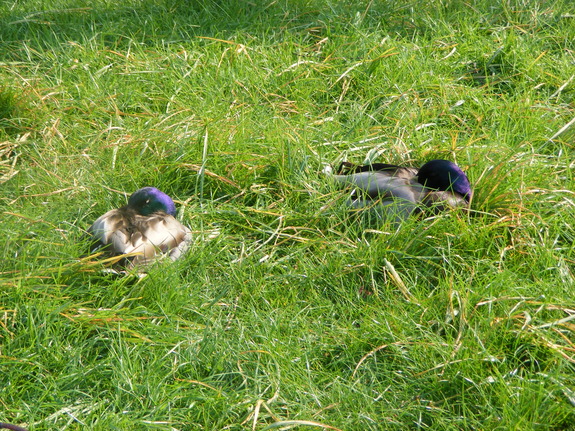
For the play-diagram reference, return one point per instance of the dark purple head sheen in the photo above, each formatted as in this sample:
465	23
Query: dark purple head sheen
149	200
446	176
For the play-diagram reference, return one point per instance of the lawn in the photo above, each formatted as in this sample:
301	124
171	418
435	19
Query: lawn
290	311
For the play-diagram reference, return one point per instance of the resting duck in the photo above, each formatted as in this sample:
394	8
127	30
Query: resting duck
146	229
438	184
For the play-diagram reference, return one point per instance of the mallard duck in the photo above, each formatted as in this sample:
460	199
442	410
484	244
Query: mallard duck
146	229
437	185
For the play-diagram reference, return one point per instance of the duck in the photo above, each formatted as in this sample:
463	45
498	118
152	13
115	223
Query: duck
401	191
146	229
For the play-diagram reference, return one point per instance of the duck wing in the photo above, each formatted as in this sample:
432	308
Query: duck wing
346	168
394	190
160	233
398	182
112	231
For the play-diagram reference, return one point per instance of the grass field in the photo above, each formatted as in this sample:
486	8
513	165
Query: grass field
299	314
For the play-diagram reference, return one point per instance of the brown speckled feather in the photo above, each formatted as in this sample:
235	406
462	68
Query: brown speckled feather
123	231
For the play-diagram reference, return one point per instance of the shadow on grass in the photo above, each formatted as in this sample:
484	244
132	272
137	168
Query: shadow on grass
49	24
169	21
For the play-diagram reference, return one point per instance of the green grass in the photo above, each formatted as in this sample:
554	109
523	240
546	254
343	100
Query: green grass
299	315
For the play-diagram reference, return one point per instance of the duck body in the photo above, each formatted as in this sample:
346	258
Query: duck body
146	229
438	185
